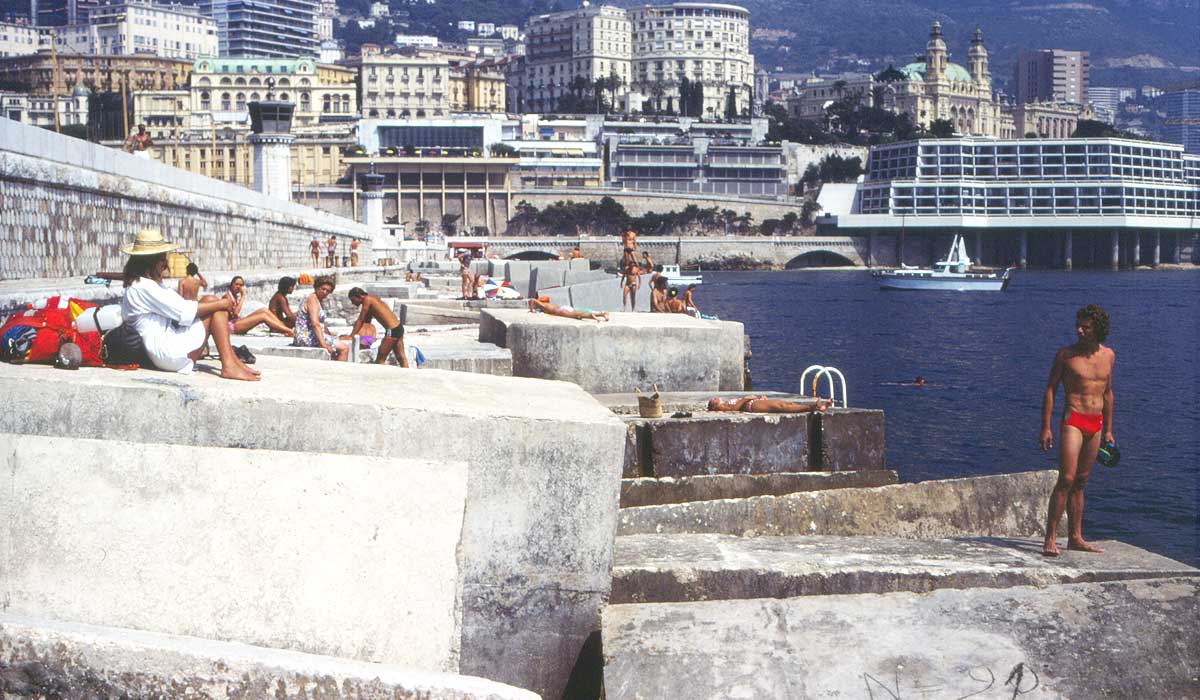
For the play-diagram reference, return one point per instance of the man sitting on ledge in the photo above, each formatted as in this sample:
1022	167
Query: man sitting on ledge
761	404
566	311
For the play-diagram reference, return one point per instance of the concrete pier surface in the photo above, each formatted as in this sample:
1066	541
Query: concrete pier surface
543	459
632	350
48	658
1116	639
652	491
1006	505
683	568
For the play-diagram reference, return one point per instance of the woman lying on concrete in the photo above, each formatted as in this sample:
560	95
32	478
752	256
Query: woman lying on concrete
761	404
174	330
543	305
239	324
311	330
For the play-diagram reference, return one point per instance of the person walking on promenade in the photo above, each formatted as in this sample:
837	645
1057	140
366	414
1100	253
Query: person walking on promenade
1085	371
189	287
331	247
314	249
174	330
374	308
354	253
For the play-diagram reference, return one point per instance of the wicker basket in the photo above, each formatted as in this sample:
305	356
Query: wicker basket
649	406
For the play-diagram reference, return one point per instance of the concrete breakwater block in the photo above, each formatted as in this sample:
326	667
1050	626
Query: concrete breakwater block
1007	505
1117	639
605	294
756	443
431	315
254	546
543	458
393	288
651	491
631	350
679	568
49	658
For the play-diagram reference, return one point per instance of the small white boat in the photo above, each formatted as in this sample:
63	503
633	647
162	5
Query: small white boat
678	278
954	274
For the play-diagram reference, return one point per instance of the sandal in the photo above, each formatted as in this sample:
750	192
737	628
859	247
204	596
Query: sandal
243	353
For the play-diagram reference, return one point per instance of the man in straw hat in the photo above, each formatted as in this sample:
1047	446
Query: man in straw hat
174	330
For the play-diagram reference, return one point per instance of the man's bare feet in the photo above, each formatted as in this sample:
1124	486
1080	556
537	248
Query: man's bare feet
1081	546
239	372
1050	549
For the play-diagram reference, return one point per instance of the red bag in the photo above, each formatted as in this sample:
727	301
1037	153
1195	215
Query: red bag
34	336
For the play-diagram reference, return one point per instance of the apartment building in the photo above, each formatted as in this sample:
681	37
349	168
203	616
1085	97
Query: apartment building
18	39
1052	75
96	73
1182	124
264	28
566	51
140	27
221	88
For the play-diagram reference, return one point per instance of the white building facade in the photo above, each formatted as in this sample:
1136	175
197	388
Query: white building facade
566	50
18	39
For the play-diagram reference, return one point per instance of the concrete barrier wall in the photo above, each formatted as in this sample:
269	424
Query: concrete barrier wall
254	546
69	205
47	658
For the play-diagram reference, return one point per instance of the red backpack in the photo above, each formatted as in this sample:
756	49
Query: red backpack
34	336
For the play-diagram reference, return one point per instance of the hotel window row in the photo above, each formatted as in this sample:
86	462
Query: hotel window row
1016	200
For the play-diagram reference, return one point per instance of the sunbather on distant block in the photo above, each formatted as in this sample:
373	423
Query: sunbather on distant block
761	404
566	311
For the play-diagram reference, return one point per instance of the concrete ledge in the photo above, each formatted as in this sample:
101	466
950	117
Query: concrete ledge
428	315
45	658
1119	639
632	350
649	491
679	568
543	459
1008	505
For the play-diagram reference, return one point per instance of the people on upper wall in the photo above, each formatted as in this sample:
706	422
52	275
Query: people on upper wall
174	330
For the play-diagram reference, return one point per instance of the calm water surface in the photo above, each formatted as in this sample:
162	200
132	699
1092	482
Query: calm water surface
986	357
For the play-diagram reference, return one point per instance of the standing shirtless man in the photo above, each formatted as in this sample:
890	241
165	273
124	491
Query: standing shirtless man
1085	370
393	335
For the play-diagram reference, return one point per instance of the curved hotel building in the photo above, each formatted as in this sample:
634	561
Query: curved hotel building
1062	200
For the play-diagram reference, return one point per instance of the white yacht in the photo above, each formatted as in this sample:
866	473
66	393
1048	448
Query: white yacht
678	278
954	274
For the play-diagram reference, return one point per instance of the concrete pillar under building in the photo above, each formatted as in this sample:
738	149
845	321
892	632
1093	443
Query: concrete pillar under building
1157	248
979	248
1068	245
1024	256
273	164
1114	261
1137	250
900	249
1177	256
871	249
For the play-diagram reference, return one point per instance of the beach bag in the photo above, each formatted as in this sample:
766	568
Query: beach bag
123	346
35	335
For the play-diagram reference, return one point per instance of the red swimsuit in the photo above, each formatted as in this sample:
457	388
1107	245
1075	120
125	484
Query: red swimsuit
1088	423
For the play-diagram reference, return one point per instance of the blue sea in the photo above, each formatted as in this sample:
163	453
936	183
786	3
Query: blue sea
986	357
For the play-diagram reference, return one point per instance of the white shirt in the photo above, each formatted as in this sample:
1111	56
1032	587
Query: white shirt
166	321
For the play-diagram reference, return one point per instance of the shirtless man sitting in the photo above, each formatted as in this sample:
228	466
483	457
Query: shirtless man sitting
761	404
566	311
189	287
1085	370
393	335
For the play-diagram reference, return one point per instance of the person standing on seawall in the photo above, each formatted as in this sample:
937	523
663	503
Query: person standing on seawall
1085	370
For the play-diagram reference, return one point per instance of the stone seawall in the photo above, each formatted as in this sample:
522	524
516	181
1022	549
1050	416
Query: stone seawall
69	205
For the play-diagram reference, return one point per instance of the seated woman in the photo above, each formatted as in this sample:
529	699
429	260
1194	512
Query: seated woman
174	330
279	302
310	329
239	324
761	404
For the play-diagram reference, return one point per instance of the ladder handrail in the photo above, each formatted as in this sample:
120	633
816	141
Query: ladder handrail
830	373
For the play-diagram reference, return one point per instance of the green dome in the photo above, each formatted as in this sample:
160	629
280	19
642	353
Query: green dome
954	72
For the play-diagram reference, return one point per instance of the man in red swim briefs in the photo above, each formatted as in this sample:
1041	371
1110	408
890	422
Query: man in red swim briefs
1085	370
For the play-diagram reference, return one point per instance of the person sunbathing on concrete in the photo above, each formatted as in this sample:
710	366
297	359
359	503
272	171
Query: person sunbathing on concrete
761	404
1085	370
311	329
189	287
239	324
542	304
374	308
279	302
174	330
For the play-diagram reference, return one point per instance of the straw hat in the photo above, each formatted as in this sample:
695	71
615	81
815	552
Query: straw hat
149	242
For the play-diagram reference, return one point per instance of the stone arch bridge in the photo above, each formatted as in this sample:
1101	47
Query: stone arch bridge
715	252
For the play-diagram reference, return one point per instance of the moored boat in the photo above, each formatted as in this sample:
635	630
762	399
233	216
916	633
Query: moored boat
678	278
956	273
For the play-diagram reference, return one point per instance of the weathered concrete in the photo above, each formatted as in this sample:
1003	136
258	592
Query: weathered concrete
1008	505
543	485
625	403
632	350
679	568
756	443
430	315
398	289
605	294
650	491
452	348
254	546
1118	639
46	658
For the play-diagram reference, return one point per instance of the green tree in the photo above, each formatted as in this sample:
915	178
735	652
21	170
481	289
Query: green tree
890	75
502	150
808	212
450	224
941	128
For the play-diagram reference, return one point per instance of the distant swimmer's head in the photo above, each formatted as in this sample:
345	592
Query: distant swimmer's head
919	381
1091	323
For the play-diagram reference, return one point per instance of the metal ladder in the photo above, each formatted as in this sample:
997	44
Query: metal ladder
831	373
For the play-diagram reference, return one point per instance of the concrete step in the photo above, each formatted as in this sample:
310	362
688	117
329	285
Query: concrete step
679	568
1006	505
543	458
650	491
1116	639
90	661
